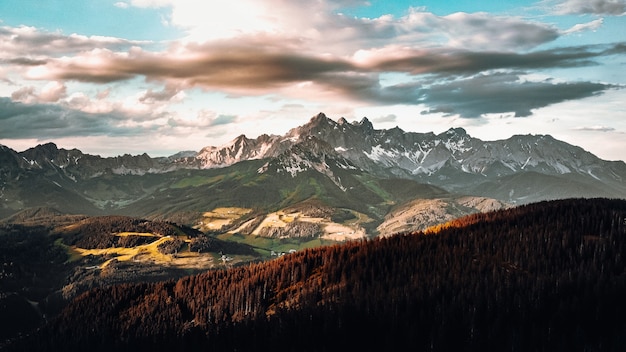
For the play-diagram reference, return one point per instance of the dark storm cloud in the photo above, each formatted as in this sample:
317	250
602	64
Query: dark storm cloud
252	68
503	93
46	120
233	67
470	62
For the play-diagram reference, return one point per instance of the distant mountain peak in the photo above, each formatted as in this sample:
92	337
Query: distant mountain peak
365	124
321	117
458	131
310	153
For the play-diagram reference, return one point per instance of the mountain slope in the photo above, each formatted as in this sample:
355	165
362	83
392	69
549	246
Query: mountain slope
48	258
534	277
301	174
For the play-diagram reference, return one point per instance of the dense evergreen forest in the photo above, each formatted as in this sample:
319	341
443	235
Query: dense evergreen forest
547	276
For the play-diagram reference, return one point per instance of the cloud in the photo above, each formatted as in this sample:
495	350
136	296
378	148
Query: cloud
596	7
319	26
204	119
460	64
121	5
50	93
53	121
15	41
596	128
223	120
169	93
385	119
249	68
232	68
482	31
589	26
502	93
446	61
24	94
53	92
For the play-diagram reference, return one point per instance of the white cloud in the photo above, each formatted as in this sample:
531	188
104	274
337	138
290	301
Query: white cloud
582	27
152	3
595	128
52	92
30	46
317	27
596	7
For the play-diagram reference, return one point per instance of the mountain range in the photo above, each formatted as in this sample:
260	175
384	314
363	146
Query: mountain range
98	252
344	165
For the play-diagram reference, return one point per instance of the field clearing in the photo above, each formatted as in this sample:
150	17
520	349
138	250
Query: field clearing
281	219
338	232
332	231
143	234
218	217
149	253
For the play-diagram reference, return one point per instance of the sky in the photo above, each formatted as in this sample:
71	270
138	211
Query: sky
163	76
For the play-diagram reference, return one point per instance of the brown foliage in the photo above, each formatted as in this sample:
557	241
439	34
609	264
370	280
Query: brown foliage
539	277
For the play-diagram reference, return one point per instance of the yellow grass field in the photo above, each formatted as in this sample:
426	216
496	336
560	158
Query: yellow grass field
218	217
332	230
149	253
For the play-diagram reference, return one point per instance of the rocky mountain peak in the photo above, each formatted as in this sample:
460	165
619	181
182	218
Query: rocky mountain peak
47	151
49	155
319	118
458	132
310	153
365	124
452	158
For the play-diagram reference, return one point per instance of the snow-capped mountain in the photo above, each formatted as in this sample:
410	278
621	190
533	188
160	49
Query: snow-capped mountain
452	159
520	169
310	154
239	149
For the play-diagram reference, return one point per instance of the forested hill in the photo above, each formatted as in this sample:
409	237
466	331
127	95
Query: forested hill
545	277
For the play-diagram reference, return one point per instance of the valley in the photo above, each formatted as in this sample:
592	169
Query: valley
74	225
